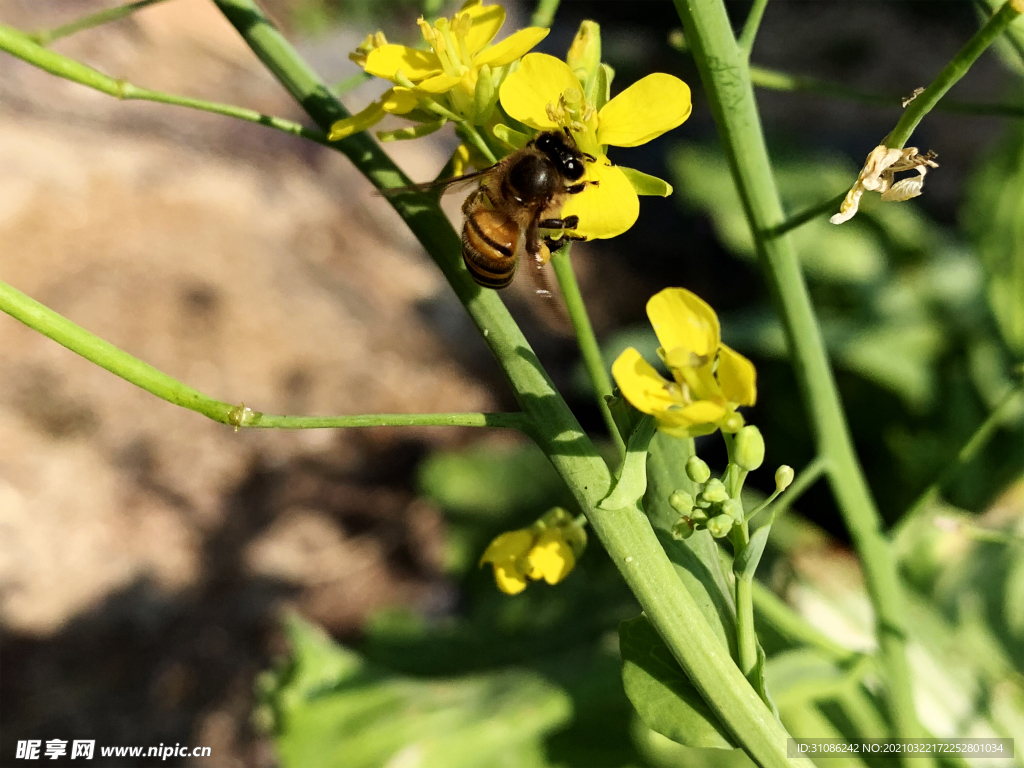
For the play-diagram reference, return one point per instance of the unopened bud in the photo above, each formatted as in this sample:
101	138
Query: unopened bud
720	526
715	491
748	448
681	502
734	509
683	529
783	478
697	470
698	516
585	52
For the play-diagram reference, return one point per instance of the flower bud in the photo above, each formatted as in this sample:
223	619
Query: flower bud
715	491
697	470
748	448
698	516
683	529
584	57
734	509
783	478
720	526
681	502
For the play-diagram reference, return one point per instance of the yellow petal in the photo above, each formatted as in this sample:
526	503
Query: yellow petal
551	557
399	100
511	48
487	20
508	547
438	84
700	418
683	319
509	581
608	209
360	121
737	377
539	81
644	111
415	64
641	385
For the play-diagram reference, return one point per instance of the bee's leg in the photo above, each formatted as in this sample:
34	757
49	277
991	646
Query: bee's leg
475	197
569	222
575	189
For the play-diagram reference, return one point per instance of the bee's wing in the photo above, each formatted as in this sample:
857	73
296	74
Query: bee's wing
441	185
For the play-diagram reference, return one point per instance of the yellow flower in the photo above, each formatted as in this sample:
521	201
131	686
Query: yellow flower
458	78
546	550
710	380
545	94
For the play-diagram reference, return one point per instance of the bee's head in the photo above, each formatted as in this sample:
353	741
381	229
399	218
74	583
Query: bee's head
563	152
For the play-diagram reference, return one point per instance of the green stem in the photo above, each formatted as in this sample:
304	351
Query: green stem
544	13
47	36
726	79
20	45
751	25
952	72
793	627
799	219
626	533
561	262
975	443
469	134
746	633
351	83
774	80
131	369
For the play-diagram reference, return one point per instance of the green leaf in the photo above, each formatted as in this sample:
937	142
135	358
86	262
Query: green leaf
645	184
631	483
663	696
331	709
746	562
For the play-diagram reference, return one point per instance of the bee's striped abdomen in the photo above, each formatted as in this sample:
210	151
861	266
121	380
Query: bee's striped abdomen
491	263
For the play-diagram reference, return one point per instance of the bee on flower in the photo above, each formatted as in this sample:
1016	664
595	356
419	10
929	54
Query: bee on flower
709	379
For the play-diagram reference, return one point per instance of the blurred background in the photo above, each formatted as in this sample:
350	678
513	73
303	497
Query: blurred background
162	578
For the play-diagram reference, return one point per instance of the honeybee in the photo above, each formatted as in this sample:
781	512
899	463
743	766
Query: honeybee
516	199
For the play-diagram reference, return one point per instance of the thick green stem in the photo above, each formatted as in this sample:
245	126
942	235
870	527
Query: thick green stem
726	78
22	46
626	533
590	350
131	369
774	80
47	36
952	72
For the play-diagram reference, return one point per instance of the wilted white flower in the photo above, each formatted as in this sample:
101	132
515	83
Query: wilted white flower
878	175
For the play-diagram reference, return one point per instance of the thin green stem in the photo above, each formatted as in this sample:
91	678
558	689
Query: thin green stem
625	533
47	36
746	633
793	627
799	219
726	79
775	80
66	333
590	350
952	72
751	25
544	13
967	453
350	83
20	45
472	136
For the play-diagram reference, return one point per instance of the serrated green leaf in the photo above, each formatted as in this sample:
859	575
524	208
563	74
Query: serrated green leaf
631	484
663	696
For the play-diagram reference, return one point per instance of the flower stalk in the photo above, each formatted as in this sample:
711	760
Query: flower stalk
726	78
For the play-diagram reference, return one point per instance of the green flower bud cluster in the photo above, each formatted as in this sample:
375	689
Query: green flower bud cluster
713	508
